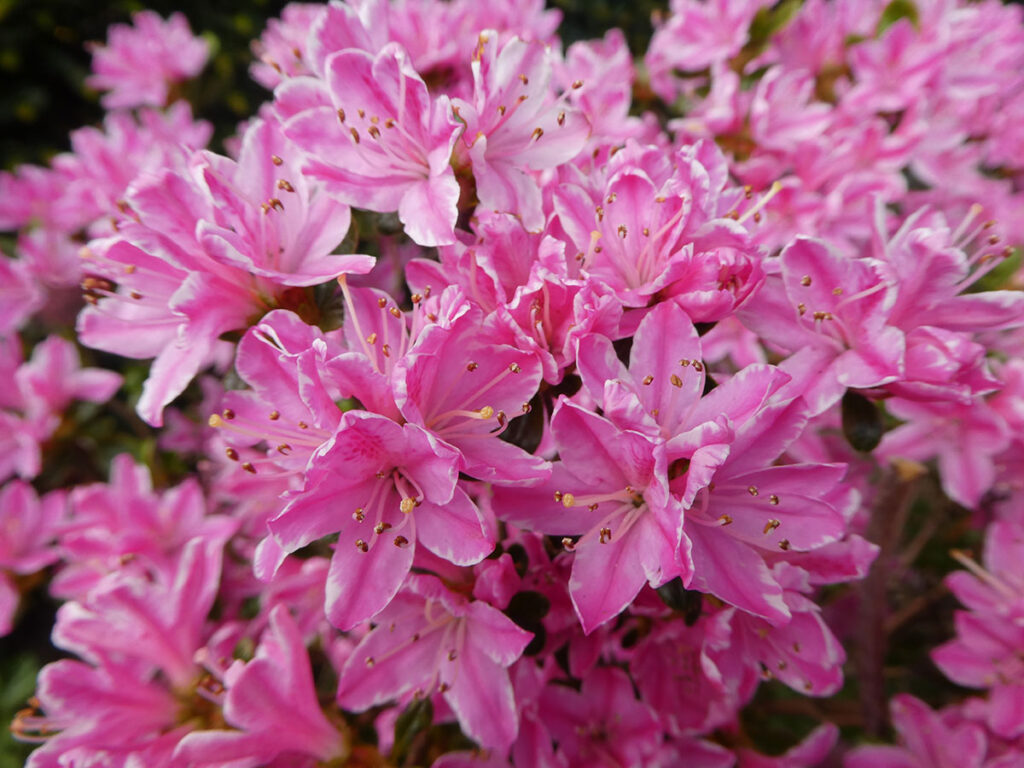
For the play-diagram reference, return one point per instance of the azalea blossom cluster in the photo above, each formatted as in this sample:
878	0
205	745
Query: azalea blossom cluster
536	404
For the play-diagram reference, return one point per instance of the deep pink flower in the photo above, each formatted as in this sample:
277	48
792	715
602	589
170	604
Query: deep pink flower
432	640
382	488
378	140
141	62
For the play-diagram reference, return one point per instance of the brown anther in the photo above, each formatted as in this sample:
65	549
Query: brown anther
502	419
471	366
568	544
537	133
773	500
805	280
302	425
443	688
401	541
275	415
646	231
698	366
568	500
452	655
395	312
415	298
248	467
355	135
756	217
837	291
801	308
523	79
129	269
622	231
660	199
135	295
822	315
593	507
371	339
285	185
1007	252
382	302
647	380
600	213
359	515
284	449
561	118
558	495
380	474
389	123
362	113
381	527
752	490
725	519
374	131
502	109
676	381
228	414
375	120
514	367
784	545
386	350
577	84
362	546
770	526
277	160
748	192
370	661
993	239
231	454
684	362
526	408
605	535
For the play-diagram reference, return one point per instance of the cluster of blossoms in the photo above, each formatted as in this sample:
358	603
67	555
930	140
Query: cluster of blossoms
535	407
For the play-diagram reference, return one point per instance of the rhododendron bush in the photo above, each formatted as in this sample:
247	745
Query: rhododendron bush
490	400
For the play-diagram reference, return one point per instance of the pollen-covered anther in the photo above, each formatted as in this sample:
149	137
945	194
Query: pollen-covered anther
770	526
248	467
752	490
837	291
374	131
784	545
386	350
822	315
359	515
577	84
401	541
537	133
698	366
407	505
371	339
381	527
725	519
684	362
486	412
471	366
805	281
801	308
362	546
341	115
395	312
231	454
676	381
558	495
568	544
355	135
370	661
647	380
275	415
284	449
277	160
561	118
622	231
514	367
285	185
773	500
605	535
567	499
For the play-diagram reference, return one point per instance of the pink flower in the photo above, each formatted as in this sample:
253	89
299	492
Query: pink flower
272	703
28	526
431	640
140	63
395	486
378	140
514	125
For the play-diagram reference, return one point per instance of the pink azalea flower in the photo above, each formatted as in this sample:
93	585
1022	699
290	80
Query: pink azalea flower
927	741
603	724
281	51
140	63
378	140
397	485
514	125
19	295
28	526
430	639
272	703
811	751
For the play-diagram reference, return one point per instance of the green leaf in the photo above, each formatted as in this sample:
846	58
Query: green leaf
896	10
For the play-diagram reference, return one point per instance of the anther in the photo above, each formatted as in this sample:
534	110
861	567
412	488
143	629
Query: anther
558	495
232	454
362	546
568	544
752	490
568	499
401	541
386	350
646	231
773	500
284	449
395	312
275	415
805	280
622	231
561	118
577	84
486	412
698	366
676	381
389	123
605	535
784	545
359	515
524	79
647	380
452	655
837	291
801	308
362	112
725	519
371	339
770	526
374	131
355	135
302	425
537	133
285	185
514	367
248	467
277	160
228	414
407	505
370	661
381	527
